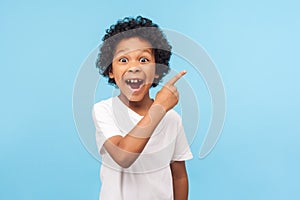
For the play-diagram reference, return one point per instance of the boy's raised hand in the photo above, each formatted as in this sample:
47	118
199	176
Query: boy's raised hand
168	96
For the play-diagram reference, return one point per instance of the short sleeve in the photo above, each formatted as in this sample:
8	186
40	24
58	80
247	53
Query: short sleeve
182	149
104	124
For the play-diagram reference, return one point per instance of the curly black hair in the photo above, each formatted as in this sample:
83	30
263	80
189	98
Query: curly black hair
142	28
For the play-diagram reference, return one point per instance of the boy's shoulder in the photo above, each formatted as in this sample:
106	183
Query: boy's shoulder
104	102
103	105
172	115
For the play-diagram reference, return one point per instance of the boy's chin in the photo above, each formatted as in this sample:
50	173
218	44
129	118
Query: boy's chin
135	98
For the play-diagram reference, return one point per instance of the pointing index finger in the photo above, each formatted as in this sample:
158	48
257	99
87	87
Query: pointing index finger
173	80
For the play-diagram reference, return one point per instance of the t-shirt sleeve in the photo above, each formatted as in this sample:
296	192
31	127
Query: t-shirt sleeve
104	124
182	149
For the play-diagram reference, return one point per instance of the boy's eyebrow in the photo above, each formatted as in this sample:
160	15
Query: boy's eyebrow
127	50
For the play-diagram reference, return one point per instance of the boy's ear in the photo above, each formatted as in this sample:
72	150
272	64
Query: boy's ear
156	76
111	75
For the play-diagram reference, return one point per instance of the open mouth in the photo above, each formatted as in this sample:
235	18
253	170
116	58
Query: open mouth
134	83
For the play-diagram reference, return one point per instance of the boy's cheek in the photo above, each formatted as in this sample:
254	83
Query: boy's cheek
118	81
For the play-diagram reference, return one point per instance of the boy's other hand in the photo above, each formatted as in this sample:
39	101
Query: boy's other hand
168	96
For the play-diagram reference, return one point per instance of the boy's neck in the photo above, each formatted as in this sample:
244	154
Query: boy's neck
140	107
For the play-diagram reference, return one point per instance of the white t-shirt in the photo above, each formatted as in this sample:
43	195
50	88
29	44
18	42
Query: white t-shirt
149	177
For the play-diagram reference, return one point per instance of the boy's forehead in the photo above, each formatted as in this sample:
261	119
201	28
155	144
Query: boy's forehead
133	44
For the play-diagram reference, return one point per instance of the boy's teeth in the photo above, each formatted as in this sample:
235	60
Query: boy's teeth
133	81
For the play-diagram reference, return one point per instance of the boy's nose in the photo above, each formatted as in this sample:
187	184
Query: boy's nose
134	69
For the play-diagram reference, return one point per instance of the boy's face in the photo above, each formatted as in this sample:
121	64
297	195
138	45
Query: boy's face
133	68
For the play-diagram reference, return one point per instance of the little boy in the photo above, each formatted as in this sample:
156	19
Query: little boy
141	140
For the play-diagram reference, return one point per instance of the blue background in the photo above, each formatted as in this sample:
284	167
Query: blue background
255	46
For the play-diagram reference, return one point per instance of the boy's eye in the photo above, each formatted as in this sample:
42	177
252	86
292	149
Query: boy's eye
143	60
123	60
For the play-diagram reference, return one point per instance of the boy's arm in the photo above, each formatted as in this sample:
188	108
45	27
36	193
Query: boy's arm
125	150
180	180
